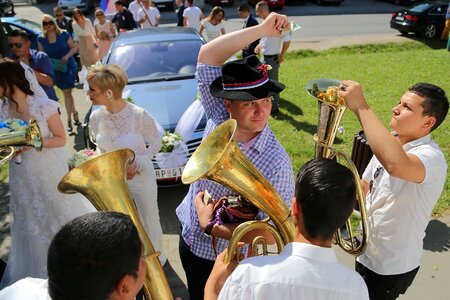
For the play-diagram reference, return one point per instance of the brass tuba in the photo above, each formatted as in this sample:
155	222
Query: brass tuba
219	158
102	180
330	115
30	136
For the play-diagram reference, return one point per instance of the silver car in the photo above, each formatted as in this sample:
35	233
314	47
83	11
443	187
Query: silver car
84	5
160	64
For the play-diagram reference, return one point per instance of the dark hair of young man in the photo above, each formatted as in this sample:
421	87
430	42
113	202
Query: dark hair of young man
435	103
119	2
326	192
19	33
89	255
243	7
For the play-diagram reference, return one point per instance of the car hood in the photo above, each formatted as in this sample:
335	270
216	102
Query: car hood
165	101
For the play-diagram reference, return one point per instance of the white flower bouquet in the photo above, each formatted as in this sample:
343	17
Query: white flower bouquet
11	125
80	157
173	151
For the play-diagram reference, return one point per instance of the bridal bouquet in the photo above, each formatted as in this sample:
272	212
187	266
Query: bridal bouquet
173	151
80	157
11	125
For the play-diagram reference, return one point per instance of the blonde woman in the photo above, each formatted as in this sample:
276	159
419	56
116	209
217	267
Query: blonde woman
120	124
60	48
105	32
213	25
85	36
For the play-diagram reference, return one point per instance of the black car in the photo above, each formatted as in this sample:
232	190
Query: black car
7	8
427	18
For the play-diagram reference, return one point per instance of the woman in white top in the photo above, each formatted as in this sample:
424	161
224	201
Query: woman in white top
85	35
105	33
120	124
38	209
213	25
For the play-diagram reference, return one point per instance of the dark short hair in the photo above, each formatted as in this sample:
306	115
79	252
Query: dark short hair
19	33
90	254
119	2
243	7
435	101
326	192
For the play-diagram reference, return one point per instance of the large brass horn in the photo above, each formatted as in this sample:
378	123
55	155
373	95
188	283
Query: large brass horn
218	158
29	136
102	180
330	115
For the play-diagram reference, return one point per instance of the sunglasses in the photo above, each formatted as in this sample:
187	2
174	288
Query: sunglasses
98	15
48	23
17	45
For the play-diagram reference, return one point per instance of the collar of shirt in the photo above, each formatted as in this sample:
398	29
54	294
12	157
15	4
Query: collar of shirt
259	142
423	140
309	251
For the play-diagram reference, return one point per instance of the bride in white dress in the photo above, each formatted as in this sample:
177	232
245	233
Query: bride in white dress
38	209
120	124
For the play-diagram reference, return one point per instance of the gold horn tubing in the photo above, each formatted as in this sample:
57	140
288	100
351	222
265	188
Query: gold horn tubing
218	158
102	180
330	116
246	227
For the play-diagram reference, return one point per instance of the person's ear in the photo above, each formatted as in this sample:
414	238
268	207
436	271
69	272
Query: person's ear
122	287
429	122
295	208
227	105
109	94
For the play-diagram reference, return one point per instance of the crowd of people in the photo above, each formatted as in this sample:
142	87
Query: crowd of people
58	239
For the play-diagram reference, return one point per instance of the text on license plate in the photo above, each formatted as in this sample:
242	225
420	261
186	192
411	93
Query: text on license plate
399	18
169	173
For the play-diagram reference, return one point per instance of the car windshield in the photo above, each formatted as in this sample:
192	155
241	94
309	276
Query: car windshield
420	8
30	24
157	60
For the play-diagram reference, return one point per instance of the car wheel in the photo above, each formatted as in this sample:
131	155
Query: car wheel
402	32
430	31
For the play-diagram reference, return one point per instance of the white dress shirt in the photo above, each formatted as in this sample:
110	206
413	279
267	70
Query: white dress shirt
153	16
300	271
27	288
399	210
271	45
193	15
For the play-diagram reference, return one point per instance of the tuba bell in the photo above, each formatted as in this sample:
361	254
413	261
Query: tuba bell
102	180
30	136
219	159
330	115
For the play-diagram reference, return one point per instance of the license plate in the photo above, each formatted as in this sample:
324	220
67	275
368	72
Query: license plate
400	18
169	173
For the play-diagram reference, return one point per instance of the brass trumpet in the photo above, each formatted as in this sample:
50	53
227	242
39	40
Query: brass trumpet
30	136
219	158
330	115
102	180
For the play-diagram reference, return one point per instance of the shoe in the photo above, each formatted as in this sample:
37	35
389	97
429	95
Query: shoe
76	121
69	126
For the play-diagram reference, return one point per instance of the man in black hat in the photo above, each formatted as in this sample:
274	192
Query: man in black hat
241	90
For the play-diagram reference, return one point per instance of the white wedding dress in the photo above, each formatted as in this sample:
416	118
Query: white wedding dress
131	128
38	209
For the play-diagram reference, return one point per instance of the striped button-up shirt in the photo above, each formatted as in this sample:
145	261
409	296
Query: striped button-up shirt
265	152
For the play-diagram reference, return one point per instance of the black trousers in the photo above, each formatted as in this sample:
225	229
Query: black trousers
197	270
385	287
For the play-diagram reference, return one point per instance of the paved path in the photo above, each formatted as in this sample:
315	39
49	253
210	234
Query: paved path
432	279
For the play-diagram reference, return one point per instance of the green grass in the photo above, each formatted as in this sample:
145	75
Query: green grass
385	71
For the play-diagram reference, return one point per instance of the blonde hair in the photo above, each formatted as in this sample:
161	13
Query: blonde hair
57	29
108	77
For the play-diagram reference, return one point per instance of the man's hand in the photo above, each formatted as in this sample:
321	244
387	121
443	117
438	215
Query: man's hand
353	94
204	212
219	275
275	23
280	58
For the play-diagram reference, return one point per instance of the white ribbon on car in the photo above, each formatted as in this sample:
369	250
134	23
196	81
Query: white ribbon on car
186	126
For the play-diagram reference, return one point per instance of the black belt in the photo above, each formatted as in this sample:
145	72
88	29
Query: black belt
270	56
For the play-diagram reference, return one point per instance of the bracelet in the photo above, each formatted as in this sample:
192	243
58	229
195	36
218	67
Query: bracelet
209	228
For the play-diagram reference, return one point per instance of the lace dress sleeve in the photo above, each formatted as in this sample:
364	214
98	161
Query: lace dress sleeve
42	108
150	132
